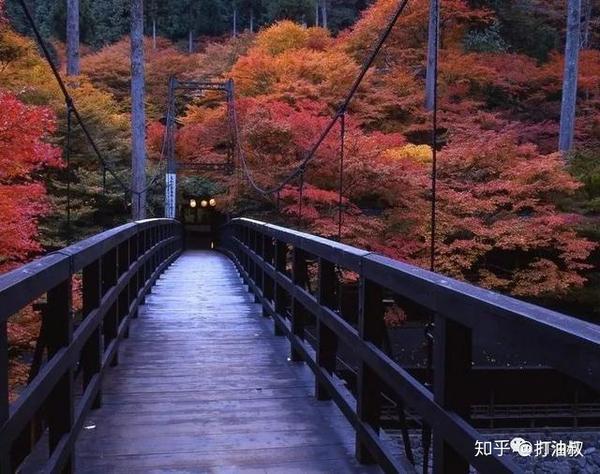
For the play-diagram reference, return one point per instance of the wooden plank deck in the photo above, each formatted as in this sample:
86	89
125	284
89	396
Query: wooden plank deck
203	385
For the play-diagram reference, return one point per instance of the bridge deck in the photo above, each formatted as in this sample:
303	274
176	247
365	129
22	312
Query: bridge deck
204	385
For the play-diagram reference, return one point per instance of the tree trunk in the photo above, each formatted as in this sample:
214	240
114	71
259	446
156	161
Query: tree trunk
234	30
324	13
73	38
138	119
251	20
154	34
569	93
434	37
317	6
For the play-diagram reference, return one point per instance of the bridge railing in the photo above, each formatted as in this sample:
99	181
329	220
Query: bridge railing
118	269
276	264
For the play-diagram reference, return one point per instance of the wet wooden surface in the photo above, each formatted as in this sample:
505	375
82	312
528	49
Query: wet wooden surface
203	385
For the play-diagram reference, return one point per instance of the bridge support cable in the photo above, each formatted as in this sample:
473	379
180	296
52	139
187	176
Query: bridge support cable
429	329
106	167
341	177
310	155
300	199
68	160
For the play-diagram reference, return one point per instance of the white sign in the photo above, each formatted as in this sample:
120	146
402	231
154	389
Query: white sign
170	195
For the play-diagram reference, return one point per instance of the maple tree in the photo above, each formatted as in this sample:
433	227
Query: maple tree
511	215
23	151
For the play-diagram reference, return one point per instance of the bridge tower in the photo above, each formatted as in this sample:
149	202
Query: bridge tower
173	165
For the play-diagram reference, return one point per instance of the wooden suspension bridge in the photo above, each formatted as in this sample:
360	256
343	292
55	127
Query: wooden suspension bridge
225	360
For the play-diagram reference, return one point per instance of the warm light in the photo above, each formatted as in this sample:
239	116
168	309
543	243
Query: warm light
213	202
203	203
193	203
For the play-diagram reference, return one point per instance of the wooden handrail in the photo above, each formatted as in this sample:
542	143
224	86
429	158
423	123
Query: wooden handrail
263	253
119	267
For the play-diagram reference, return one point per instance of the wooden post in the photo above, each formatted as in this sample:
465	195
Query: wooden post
268	284
370	328
61	403
280	294
299	277
259	274
109	279
326	338
134	286
123	251
452	355
91	357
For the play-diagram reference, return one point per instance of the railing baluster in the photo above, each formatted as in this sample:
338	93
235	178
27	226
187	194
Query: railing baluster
91	357
299	277
59	335
260	250
111	320
370	328
123	255
326	338
280	294
102	270
268	284
452	356
253	266
133	284
258	270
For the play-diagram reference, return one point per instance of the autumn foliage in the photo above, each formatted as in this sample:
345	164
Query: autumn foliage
23	151
510	212
500	221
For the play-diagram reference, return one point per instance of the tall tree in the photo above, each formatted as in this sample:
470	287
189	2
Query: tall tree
324	13
569	93
587	19
138	119
235	11
73	38
433	38
153	14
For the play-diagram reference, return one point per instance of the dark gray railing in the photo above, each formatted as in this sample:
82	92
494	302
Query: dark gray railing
275	261
118	268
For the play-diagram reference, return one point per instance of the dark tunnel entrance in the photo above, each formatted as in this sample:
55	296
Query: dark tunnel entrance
201	221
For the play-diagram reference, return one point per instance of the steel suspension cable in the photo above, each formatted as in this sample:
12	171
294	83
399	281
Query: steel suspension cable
435	4
300	199
68	160
341	177
70	103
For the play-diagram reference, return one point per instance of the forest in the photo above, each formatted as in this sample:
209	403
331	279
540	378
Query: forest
514	213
